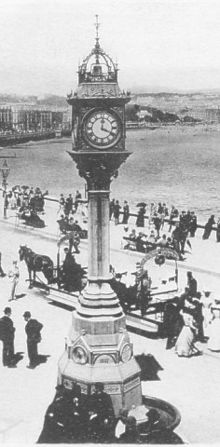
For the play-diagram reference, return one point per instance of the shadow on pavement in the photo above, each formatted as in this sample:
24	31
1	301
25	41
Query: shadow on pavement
18	357
149	367
41	359
165	437
21	295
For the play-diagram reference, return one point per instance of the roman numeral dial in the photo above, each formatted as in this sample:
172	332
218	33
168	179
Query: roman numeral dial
102	129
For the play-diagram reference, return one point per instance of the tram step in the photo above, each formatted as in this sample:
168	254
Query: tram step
62	297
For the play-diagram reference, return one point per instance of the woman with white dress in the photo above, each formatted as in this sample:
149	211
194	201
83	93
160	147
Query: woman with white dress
185	343
214	330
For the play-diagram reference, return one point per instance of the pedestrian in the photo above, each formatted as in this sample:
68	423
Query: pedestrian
78	197
61	204
207	302
74	241
143	291
173	215
172	324
7	334
176	238
2	273
111	208
32	329
198	315
14	274
214	331
140	216
157	223
185	343
191	284
218	231
193	224
121	423
131	434
208	227
125	213
116	212
99	408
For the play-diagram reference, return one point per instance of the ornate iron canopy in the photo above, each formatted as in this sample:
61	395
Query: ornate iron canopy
98	65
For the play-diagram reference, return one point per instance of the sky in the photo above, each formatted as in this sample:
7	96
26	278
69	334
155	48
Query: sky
159	44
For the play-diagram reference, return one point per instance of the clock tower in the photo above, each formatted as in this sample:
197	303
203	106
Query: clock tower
98	347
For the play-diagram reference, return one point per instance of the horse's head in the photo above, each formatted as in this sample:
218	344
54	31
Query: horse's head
24	252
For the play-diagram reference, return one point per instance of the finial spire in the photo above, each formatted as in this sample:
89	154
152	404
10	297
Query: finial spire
97	46
97	25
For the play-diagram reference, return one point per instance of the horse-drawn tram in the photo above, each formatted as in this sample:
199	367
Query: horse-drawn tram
144	301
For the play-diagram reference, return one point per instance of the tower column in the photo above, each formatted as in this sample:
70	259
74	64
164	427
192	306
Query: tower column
98	235
98	347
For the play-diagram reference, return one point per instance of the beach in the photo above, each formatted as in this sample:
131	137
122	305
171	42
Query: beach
173	164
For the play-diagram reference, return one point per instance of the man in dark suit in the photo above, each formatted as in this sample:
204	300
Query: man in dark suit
7	336
100	412
192	284
32	329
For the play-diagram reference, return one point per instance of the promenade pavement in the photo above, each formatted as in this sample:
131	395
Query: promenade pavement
192	385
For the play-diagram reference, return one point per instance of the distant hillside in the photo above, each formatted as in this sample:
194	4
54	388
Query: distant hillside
48	100
134	112
175	102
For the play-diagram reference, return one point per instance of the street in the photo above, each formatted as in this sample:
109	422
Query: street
192	385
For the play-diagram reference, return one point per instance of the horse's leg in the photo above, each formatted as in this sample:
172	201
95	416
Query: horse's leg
30	279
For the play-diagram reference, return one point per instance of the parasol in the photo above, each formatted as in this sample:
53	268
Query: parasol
141	204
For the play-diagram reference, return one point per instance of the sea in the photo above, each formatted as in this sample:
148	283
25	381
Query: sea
176	165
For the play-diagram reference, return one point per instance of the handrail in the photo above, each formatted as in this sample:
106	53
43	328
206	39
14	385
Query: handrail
50	199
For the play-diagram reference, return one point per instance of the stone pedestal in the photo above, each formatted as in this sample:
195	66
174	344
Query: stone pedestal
99	351
98	348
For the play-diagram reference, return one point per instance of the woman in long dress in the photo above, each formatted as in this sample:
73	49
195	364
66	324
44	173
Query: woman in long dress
207	303
208	227
185	343
214	330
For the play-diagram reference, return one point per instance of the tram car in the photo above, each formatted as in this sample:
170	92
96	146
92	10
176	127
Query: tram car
144	302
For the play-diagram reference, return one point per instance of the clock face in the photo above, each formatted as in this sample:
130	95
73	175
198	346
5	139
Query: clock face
79	355
102	129
126	353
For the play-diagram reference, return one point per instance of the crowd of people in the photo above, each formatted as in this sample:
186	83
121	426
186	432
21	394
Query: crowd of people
159	214
181	225
193	316
25	198
68	205
75	417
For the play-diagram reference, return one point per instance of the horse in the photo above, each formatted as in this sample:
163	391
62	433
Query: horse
36	263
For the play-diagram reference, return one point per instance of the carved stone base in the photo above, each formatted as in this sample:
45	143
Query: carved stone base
99	350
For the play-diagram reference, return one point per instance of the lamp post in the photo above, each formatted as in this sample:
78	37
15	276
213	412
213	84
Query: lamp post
5	173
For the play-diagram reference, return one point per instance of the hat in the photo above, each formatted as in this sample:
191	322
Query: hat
27	314
99	386
118	275
60	387
7	310
123	412
131	421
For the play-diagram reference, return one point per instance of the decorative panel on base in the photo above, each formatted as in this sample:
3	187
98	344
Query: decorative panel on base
106	356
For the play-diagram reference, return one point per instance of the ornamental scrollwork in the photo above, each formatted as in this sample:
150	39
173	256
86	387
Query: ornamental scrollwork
98	170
